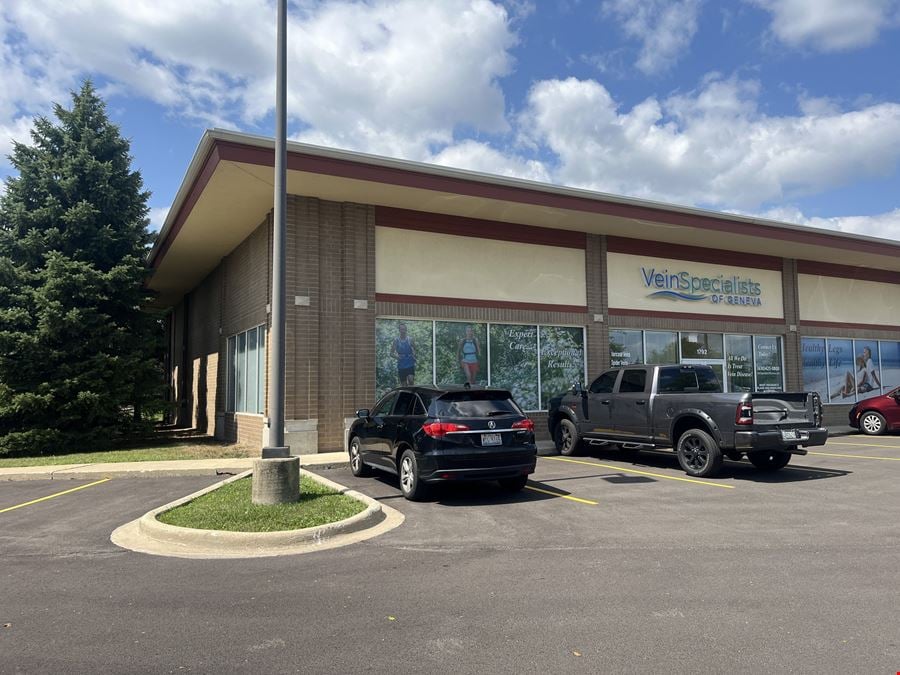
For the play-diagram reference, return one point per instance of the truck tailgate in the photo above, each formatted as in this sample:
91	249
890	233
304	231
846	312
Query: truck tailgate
785	409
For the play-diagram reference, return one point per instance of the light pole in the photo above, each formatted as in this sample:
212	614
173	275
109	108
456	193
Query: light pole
276	474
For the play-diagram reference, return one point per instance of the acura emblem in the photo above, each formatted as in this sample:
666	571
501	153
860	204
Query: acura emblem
492	424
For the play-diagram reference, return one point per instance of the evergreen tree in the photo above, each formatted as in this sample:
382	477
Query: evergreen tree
79	359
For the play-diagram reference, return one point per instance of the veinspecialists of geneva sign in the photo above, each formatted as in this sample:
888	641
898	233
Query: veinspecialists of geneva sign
683	285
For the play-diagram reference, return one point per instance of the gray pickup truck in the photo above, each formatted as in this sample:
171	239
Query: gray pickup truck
683	407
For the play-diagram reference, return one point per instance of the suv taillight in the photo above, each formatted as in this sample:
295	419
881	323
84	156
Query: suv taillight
438	429
526	424
744	414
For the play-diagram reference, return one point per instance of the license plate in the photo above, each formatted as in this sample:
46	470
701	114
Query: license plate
491	439
790	435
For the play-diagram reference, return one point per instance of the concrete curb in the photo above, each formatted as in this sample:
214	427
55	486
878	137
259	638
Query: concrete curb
149	535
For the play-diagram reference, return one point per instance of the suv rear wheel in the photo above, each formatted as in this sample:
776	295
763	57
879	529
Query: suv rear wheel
698	454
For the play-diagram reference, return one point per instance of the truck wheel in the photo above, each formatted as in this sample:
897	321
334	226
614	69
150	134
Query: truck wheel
698	454
872	424
567	438
769	460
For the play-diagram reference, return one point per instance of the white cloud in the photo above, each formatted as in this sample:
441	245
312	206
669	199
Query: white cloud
158	217
883	225
829	25
365	75
711	147
664	28
481	157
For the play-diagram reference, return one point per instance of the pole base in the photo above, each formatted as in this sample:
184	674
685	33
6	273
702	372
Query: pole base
276	480
270	452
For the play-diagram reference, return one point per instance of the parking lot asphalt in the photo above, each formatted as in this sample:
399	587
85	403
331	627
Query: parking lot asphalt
605	563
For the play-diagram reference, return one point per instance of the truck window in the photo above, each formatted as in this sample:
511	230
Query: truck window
605	383
676	380
633	381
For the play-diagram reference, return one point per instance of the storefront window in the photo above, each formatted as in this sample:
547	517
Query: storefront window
409	351
404	353
661	347
514	362
739	362
626	347
890	365
846	371
701	346
814	365
868	369
841	371
562	360
769	364
460	353
246	371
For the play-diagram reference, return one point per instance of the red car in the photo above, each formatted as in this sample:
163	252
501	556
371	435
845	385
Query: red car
876	415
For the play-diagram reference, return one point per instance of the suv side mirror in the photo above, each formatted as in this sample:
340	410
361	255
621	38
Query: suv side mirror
363	413
579	390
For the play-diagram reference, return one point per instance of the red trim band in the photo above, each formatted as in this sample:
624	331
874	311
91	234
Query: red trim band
847	272
687	315
839	324
467	302
692	253
387	216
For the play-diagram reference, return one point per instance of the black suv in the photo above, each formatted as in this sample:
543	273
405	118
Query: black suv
433	434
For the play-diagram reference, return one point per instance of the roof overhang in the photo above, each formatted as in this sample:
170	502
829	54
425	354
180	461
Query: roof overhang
228	191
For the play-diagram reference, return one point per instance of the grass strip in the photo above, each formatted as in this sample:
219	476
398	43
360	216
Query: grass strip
151	454
230	508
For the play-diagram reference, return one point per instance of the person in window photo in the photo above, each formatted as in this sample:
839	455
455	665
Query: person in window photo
403	349
468	353
871	371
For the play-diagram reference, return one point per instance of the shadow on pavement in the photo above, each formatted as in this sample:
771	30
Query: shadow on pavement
743	470
470	493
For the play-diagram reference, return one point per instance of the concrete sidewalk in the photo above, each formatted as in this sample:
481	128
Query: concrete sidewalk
178	467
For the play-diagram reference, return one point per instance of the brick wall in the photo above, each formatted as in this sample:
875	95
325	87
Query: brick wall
231	299
204	310
244	428
330	343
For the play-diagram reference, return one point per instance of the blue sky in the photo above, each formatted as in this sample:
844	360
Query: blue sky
788	109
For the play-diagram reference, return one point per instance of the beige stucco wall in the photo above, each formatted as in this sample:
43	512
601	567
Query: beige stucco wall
848	300
441	265
627	289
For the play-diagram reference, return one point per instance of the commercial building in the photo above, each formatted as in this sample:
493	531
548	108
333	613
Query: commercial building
400	269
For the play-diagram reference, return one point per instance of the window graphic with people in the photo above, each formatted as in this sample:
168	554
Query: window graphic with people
403	353
468	353
404	350
461	353
862	379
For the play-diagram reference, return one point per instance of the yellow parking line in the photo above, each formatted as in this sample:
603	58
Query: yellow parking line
642	473
834	454
58	494
868	445
560	494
